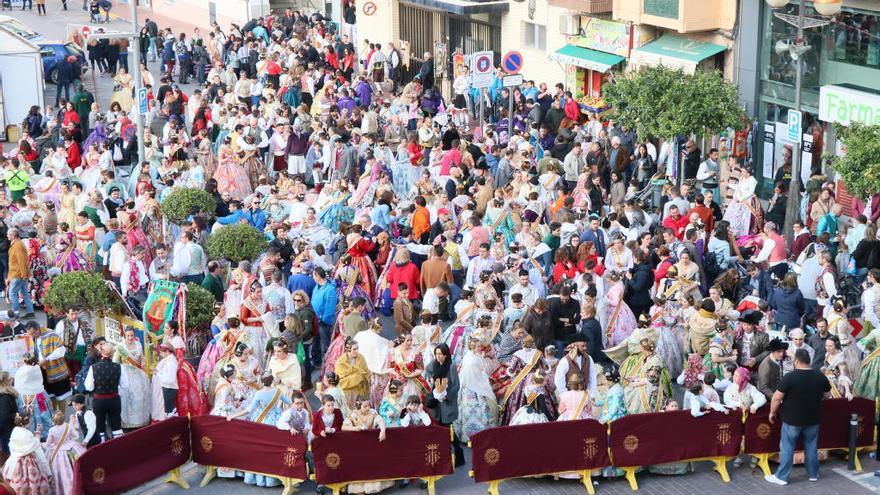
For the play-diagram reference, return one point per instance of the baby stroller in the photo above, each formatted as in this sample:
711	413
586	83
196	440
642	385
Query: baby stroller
95	11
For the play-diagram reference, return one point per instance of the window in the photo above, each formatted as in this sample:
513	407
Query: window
534	36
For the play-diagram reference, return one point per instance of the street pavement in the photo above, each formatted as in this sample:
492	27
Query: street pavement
54	28
835	479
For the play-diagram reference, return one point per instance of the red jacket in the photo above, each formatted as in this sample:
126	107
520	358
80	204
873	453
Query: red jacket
568	270
318	423
74	159
407	274
677	226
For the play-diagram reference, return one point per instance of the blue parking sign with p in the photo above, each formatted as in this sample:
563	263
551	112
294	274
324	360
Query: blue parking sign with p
143	108
795	119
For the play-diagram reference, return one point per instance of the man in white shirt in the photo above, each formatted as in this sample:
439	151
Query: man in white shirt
431	300
166	374
118	259
86	421
134	279
483	262
189	261
576	357
528	291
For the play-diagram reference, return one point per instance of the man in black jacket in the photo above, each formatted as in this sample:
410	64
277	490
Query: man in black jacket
638	286
103	380
565	315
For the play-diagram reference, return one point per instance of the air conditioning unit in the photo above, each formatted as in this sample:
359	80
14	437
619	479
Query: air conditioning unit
568	25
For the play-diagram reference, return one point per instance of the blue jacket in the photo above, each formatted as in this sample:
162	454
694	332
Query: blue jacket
324	301
301	282
789	305
233	218
257	218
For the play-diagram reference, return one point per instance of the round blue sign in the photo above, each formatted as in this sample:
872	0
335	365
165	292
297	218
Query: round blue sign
512	62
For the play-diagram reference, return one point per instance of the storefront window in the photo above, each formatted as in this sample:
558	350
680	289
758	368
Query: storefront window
855	38
779	65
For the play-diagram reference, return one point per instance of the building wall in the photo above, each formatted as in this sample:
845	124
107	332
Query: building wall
183	15
536	65
382	26
747	54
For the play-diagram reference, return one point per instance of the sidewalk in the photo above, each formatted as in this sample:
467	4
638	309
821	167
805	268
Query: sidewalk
122	12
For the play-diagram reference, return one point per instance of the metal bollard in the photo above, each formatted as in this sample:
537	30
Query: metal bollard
853	433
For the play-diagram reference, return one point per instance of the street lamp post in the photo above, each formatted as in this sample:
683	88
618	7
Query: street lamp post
138	81
801	21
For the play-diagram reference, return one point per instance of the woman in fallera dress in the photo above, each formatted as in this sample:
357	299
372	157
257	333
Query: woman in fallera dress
62	450
478	406
136	397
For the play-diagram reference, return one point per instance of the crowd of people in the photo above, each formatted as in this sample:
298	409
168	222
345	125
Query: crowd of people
517	265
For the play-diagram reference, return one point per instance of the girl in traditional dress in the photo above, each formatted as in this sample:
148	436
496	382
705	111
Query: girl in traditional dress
252	310
839	326
90	173
647	389
27	470
63	448
687	269
329	387
575	403
247	373
350	283
525	363
48	189
392	404
835	360
122	92
669	343
204	154
68	205
265	408
535	410
331	206
377	353
225	405
86	238
129	222
363	418
868	379
407	366
248	155
38	269
745	213
284	366
69	257
620	318
136	397
477	404
619	257
358	251
353	373
231	176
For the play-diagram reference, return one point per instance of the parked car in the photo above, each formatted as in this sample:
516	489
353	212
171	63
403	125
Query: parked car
53	52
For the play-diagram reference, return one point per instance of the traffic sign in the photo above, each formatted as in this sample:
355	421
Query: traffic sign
512	81
369	8
795	118
482	69
512	62
143	106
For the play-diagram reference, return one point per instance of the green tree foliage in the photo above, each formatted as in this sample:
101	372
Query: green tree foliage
199	306
236	243
860	166
664	102
180	203
85	290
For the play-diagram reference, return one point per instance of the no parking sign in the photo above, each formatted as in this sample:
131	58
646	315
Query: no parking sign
482	69
512	62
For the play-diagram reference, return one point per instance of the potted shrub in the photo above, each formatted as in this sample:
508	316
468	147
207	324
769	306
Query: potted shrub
236	242
181	203
85	290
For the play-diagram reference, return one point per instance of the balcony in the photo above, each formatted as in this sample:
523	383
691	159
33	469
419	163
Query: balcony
584	6
684	16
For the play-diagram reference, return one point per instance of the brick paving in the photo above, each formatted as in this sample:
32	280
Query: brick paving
834	480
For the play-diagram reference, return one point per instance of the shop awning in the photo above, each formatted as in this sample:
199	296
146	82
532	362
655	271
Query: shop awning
675	52
465	7
586	58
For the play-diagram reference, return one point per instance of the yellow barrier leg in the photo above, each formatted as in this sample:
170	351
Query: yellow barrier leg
764	463
210	474
493	487
174	477
336	487
721	468
587	479
631	477
432	481
857	463
290	485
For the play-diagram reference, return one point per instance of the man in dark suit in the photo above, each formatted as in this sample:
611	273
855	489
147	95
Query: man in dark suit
758	279
426	72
